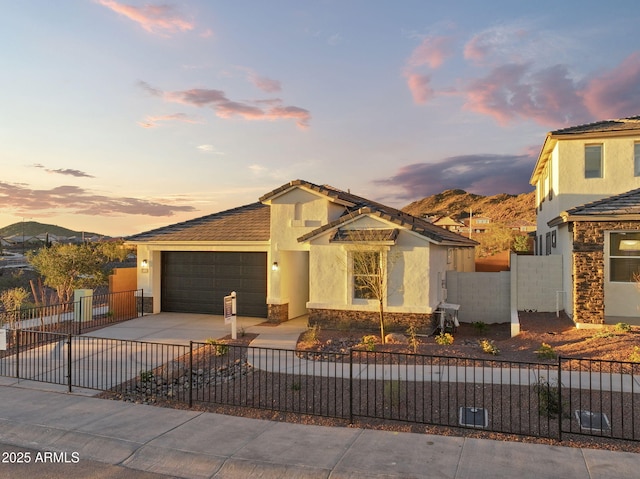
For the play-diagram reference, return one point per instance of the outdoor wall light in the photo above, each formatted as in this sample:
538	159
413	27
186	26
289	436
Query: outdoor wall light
274	266
629	245
144	266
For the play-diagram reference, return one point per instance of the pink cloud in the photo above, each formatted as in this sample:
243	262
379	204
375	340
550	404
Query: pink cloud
420	87
616	93
476	49
513	91
160	19
152	121
226	108
265	84
77	200
432	52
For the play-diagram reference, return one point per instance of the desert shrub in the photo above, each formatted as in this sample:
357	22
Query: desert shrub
146	376
546	351
489	347
219	349
369	342
634	357
623	327
549	403
480	326
414	342
312	335
444	339
603	334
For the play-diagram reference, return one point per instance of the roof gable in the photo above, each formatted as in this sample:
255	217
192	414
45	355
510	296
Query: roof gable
412	223
599	129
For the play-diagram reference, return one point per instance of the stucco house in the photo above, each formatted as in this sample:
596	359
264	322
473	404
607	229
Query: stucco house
587	181
292	253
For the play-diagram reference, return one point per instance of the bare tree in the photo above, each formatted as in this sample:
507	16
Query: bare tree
370	265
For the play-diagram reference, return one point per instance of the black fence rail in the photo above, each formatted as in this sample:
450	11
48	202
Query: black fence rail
77	317
572	396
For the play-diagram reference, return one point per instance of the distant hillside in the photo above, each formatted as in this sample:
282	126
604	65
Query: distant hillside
502	208
33	228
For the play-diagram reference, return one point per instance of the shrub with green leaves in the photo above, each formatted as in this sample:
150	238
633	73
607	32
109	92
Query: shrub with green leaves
218	348
623	327
480	326
146	376
603	334
489	347
412	334
546	351
634	357
312	335
444	339
549	403
369	342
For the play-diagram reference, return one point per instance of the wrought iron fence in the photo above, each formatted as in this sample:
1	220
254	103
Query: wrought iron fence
572	396
77	317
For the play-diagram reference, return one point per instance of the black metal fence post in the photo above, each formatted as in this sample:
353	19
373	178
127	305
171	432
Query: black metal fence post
17	333
561	413
190	377
78	315
69	363
350	385
142	302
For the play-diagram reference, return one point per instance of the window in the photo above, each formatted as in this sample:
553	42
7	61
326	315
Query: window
593	161
636	159
548	243
624	257
367	277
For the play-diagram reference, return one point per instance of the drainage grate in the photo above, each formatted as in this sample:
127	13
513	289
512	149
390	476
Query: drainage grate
474	417
593	421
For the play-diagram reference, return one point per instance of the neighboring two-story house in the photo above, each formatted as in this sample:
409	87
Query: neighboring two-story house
295	252
587	181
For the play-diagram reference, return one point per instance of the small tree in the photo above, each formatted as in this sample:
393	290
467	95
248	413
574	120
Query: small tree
66	267
369	280
12	300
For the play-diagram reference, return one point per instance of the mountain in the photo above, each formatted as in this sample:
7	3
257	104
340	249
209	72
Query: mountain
502	208
33	228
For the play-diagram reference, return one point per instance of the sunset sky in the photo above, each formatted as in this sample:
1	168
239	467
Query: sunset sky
119	117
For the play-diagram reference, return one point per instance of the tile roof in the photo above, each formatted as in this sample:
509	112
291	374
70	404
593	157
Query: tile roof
412	223
245	223
624	204
252	222
621	124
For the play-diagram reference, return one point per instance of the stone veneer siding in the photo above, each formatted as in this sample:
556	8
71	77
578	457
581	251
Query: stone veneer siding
367	320
588	267
277	313
147	304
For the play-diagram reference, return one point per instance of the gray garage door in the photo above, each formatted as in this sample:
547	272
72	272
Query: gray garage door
197	281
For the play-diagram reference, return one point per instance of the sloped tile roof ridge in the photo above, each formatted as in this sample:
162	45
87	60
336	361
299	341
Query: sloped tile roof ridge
628	123
196	221
622	203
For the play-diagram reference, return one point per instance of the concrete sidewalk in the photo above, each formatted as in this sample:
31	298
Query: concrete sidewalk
148	440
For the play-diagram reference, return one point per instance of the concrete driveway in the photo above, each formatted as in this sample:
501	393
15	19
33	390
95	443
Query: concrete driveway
180	328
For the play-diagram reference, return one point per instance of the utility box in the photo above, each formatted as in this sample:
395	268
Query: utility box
83	305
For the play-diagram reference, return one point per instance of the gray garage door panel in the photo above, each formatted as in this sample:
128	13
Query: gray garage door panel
197	281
